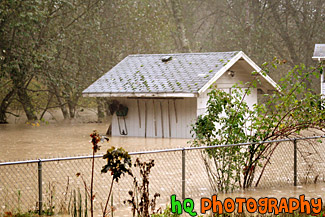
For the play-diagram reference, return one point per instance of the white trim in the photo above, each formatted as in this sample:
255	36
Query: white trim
172	95
221	72
238	56
259	70
321	58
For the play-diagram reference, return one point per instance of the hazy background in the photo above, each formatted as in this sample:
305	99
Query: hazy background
50	50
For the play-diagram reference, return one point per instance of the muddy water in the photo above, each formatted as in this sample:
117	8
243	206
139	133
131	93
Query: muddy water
21	141
24	141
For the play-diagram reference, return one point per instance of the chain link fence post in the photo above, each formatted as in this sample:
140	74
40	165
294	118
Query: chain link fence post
40	195
295	162
183	174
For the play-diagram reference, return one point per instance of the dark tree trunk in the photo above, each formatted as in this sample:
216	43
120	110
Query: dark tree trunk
4	106
3	118
20	83
28	107
72	108
63	107
181	31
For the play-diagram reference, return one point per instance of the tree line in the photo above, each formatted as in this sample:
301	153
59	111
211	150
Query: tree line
50	50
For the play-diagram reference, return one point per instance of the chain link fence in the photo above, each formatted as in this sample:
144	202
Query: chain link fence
181	171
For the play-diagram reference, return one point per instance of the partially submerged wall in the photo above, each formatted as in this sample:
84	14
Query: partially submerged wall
175	123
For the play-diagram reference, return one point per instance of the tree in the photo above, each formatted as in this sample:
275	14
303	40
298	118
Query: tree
23	30
21	36
261	28
229	121
56	48
182	41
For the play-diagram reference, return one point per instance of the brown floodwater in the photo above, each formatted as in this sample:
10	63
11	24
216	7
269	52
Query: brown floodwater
59	139
23	141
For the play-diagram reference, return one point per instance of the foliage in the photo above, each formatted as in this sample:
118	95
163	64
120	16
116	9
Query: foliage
229	112
95	138
263	28
140	197
51	50
49	205
118	163
21	56
76	209
295	214
20	214
166	213
229	120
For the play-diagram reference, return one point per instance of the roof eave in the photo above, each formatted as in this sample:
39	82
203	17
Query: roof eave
144	95
231	63
263	74
318	58
221	72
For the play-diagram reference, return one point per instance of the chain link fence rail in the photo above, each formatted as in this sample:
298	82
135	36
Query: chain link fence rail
53	184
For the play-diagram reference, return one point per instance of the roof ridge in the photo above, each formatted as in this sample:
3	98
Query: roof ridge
149	75
180	54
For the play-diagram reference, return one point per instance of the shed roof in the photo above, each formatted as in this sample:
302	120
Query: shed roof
182	74
319	52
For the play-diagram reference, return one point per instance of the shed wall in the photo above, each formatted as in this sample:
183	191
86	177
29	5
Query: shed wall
225	83
186	115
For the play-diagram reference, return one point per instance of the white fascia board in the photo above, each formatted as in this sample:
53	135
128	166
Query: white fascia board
240	55
221	72
114	95
259	70
318	58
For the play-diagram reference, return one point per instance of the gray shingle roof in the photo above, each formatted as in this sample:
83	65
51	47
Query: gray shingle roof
319	52
147	73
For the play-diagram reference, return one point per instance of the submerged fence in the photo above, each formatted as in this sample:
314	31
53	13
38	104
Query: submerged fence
47	184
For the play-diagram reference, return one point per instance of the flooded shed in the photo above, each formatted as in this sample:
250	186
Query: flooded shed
161	95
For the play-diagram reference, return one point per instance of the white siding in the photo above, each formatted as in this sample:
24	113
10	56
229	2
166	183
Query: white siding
201	103
187	110
186	115
225	83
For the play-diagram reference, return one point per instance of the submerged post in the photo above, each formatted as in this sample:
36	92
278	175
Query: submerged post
183	174
295	162
40	198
